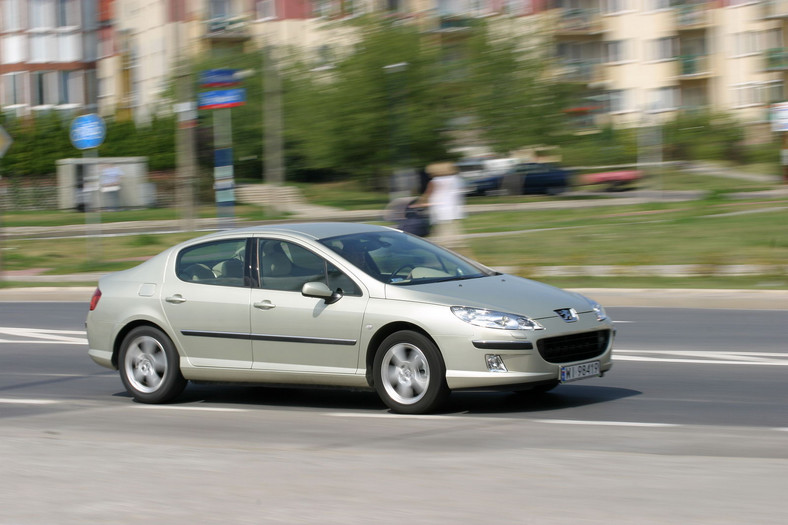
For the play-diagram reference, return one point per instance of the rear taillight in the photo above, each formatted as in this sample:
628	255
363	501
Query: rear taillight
95	299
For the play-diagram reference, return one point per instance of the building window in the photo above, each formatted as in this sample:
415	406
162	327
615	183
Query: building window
617	101
67	13
325	8
771	39
70	87
657	5
13	88
758	93
664	99
610	7
664	48
11	19
69	47
265	9
744	43
219	9
41	14
41	47
38	88
773	92
615	51
13	48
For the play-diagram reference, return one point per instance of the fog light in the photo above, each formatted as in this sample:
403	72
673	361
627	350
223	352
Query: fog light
495	363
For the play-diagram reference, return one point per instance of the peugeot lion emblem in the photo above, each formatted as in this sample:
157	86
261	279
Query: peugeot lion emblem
567	314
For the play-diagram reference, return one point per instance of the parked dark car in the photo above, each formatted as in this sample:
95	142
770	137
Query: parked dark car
530	178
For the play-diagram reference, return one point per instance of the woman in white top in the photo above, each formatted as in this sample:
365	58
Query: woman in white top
446	199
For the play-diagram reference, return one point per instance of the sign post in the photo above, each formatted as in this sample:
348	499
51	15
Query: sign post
5	143
779	118
222	100
87	133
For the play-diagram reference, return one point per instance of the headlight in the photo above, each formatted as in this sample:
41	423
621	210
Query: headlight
601	315
492	319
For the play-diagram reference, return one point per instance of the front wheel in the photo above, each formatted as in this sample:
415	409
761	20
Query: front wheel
409	373
149	366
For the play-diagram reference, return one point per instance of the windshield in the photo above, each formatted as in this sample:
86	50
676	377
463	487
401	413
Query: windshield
402	259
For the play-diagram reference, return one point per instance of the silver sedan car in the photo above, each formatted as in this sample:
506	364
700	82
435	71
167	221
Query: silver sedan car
339	304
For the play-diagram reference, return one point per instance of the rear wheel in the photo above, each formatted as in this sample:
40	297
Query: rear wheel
409	373
149	366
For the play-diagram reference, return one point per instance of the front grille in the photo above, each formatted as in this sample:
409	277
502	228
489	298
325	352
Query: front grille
575	347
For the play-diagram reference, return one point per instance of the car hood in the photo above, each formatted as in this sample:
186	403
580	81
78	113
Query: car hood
506	293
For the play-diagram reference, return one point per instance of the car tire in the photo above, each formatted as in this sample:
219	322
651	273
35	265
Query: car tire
149	368
409	373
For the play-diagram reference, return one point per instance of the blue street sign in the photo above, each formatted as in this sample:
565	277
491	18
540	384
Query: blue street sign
87	131
219	77
222	98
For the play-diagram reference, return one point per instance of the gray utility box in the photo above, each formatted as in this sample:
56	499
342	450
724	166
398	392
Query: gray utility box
104	182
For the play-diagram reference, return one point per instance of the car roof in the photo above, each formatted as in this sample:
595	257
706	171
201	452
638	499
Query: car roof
313	230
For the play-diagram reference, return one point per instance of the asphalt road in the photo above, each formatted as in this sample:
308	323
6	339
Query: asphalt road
690	426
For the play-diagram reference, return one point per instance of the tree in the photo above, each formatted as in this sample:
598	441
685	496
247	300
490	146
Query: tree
508	86
374	109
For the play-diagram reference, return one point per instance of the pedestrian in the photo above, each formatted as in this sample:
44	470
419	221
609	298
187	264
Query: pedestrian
446	201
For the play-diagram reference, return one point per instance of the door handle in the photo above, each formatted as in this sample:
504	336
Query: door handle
175	299
264	305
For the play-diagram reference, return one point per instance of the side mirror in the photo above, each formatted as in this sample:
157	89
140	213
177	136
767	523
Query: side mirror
321	291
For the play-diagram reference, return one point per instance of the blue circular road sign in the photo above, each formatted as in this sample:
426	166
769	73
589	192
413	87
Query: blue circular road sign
87	131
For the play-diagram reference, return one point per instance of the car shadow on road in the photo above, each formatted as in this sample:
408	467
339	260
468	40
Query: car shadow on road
563	397
465	402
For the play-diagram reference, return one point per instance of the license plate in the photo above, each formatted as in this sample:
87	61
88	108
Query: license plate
581	371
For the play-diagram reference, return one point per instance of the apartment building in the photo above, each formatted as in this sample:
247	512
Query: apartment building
48	55
644	60
633	61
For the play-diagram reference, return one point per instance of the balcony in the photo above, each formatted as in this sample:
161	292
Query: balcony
580	71
693	17
694	67
579	22
774	9
227	28
777	59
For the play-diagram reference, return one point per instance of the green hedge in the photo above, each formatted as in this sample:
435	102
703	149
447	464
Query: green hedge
41	141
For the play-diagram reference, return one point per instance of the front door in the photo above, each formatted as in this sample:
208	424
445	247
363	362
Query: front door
293	333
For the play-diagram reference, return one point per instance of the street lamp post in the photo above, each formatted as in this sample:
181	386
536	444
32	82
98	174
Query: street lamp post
401	173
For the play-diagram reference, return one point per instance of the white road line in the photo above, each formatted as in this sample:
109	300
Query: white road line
703	357
13	401
390	415
604	423
43	336
188	408
698	361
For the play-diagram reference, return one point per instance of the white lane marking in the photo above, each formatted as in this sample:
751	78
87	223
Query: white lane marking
12	401
188	408
604	423
43	336
391	415
471	418
703	357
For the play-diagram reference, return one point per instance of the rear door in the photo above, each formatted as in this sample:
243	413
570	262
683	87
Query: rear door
206	298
